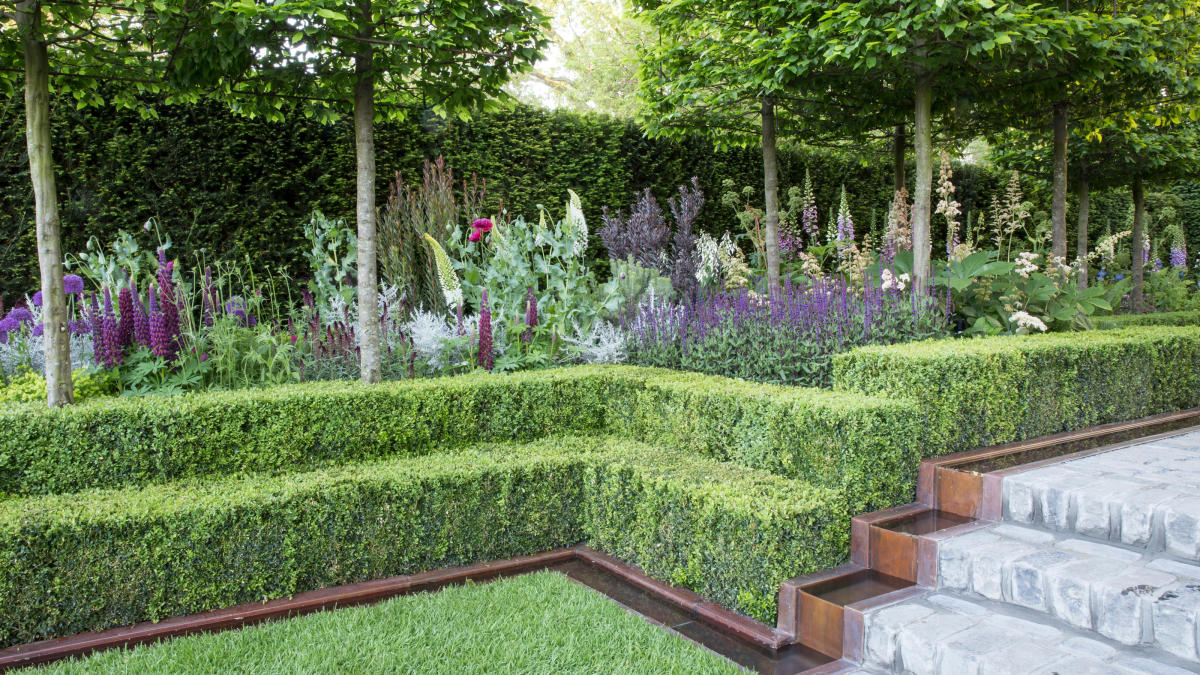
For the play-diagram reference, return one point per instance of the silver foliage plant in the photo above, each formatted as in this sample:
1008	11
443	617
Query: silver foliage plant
604	343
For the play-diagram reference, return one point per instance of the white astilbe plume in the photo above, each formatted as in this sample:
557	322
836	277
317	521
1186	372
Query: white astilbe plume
604	344
577	223
451	286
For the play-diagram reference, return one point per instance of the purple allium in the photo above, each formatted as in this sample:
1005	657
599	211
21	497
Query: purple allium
531	315
9	325
20	314
486	357
72	284
39	330
125	309
37	299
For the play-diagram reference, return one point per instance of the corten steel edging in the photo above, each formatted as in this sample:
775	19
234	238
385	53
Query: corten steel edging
925	484
724	620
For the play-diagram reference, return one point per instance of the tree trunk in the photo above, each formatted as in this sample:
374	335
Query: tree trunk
899	143
1081	235
370	368
1135	246
1058	201
57	338
771	190
922	145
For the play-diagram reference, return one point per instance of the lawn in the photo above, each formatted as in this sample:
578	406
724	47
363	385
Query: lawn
536	623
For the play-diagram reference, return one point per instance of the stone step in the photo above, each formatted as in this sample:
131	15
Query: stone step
1125	595
1146	496
947	634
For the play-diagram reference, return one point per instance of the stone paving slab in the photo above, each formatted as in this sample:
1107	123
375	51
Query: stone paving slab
947	634
1125	595
1145	496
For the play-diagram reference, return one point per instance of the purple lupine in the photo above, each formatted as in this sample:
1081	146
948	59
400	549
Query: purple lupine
96	320
168	300
162	341
485	334
110	340
141	320
531	315
125	311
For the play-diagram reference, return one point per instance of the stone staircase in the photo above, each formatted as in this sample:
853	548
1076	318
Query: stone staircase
1094	570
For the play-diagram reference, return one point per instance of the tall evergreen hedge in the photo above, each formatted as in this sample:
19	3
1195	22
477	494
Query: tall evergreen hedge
236	187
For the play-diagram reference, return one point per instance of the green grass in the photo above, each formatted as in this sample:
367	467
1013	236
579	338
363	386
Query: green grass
536	623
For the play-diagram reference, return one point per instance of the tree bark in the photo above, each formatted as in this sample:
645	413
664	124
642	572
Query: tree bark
899	143
1135	246
57	337
370	367
1081	234
922	145
1058	201
771	190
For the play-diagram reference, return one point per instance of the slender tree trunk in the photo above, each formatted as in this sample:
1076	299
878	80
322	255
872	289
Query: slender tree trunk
370	368
1081	234
1058	201
771	190
57	338
899	143
1135	246
922	145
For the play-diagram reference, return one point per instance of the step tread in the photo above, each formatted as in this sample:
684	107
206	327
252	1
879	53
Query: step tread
1146	496
943	632
1123	594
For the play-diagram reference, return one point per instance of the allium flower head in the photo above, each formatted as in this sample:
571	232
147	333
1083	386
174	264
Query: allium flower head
20	315
72	284
37	299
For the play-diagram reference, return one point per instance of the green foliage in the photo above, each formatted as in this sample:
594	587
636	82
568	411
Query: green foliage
990	295
30	387
636	283
976	393
124	556
1185	318
331	260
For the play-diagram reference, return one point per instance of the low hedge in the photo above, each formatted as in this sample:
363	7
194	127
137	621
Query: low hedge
1183	318
91	560
846	441
985	391
866	447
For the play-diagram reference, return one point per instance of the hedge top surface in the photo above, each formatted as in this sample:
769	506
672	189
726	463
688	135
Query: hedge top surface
950	348
734	487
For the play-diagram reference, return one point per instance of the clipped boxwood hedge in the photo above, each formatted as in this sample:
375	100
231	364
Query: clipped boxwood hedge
847	441
1183	318
981	392
101	558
